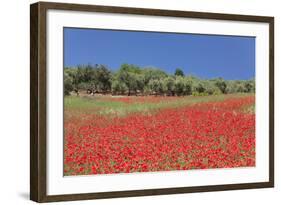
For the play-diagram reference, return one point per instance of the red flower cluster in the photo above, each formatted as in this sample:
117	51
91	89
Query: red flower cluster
201	136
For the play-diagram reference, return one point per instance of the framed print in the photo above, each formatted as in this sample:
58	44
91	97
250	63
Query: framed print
133	102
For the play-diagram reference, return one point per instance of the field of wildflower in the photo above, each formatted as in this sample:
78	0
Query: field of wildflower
107	134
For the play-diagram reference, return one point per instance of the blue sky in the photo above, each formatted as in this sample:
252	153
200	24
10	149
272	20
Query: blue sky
205	56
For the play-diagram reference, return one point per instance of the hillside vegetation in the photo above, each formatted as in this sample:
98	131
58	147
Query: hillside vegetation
133	80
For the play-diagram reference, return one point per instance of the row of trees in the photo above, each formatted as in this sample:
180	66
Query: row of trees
133	80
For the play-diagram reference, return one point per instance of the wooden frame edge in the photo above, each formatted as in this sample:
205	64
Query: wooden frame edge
37	102
155	192
34	191
271	100
153	12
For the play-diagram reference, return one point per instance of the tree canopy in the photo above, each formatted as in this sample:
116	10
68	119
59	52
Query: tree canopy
133	80
179	72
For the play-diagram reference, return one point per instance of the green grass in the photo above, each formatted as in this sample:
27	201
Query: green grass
89	103
103	106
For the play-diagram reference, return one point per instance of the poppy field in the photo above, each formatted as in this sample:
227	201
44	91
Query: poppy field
107	134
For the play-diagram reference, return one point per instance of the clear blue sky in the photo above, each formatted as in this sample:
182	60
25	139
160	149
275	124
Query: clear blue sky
205	56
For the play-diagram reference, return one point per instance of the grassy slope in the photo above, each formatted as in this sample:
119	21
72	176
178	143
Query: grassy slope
103	105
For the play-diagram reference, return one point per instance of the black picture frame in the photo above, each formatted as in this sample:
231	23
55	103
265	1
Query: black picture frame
38	100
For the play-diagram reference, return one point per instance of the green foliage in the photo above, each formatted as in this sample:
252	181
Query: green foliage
199	87
153	74
212	88
221	84
183	86
187	86
103	78
179	72
128	74
118	87
179	85
95	78
241	86
132	80
68	84
156	86
169	86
